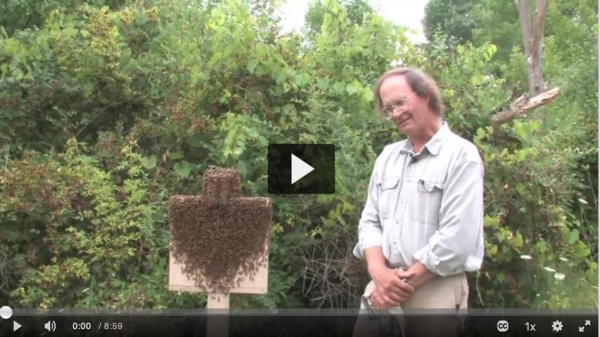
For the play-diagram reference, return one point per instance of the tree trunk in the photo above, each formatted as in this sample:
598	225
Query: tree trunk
533	43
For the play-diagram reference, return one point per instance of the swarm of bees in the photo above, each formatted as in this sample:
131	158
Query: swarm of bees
220	236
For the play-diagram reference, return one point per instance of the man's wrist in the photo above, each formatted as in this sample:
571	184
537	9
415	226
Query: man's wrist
423	275
375	268
375	260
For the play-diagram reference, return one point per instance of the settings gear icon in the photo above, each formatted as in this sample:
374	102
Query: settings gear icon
557	326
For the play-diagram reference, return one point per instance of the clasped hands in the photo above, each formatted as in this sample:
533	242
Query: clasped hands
392	287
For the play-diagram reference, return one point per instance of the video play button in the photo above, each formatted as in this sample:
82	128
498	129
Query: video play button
16	326
301	169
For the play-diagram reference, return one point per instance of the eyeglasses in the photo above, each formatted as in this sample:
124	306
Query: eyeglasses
397	105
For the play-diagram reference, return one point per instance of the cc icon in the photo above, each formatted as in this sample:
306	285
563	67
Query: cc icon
502	326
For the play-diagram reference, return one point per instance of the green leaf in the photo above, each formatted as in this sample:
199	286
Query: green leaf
490	51
280	77
582	249
335	9
367	95
541	246
500	235
491	222
354	87
301	80
519	240
261	50
477	80
148	163
520	188
243	168
338	87
520	130
182	169
84	33
175	155
350	88
143	17
322	83
195	141
480	134
573	236
252	65
535	125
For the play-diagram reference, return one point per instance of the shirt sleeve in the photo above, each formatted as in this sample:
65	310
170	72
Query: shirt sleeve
369	227
461	221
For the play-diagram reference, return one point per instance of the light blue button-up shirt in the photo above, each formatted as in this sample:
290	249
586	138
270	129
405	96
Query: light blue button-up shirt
426	206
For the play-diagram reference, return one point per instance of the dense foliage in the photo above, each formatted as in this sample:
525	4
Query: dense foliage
451	17
107	111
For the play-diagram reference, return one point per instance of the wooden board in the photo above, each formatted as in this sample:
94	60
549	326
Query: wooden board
178	281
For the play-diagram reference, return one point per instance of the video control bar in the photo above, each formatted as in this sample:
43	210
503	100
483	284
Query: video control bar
274	323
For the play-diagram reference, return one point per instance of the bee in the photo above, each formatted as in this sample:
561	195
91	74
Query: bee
220	235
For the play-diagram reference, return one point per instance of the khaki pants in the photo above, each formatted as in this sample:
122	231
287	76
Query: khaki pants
450	292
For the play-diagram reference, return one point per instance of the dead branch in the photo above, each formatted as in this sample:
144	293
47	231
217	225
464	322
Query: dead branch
333	277
523	105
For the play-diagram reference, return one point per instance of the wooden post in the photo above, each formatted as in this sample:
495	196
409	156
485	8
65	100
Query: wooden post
217	326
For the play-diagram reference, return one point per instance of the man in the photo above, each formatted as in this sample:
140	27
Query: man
422	226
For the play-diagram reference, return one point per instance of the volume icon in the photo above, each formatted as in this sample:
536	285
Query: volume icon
50	326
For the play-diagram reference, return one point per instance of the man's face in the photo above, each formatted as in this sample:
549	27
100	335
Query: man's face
414	118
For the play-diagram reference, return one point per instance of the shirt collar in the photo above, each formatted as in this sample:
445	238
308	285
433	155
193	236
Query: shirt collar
435	143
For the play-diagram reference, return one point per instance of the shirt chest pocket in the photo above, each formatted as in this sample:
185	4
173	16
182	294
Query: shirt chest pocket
425	207
388	191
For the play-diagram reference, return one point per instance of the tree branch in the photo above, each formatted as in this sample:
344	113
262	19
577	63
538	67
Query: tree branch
523	105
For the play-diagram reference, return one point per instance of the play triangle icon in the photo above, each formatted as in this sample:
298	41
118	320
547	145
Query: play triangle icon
299	169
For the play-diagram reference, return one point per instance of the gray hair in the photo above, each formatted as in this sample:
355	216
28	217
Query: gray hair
419	82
